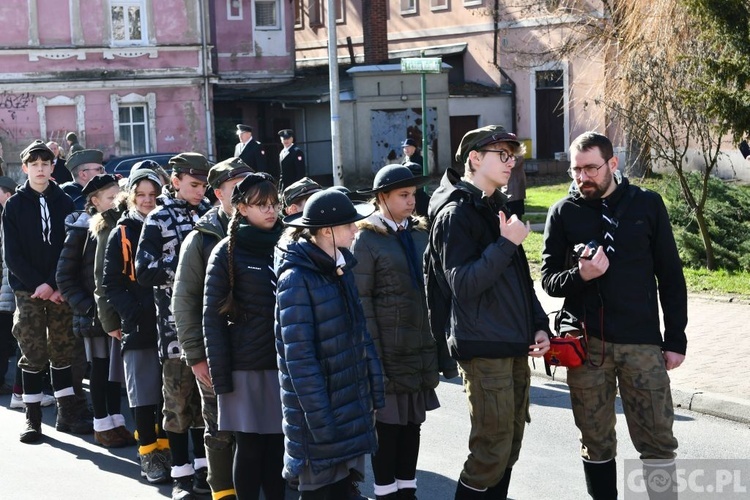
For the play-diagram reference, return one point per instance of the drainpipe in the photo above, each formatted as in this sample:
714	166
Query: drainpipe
496	24
206	94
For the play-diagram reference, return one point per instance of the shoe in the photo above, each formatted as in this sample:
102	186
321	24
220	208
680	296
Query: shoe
33	431
68	417
152	468
85	411
200	485
6	389
16	402
109	439
48	400
354	493
182	488
125	434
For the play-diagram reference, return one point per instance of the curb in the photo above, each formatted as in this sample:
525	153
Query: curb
708	403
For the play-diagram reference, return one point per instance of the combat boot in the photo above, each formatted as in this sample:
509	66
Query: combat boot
33	430
69	419
500	490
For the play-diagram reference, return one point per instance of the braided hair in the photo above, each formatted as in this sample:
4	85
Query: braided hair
260	193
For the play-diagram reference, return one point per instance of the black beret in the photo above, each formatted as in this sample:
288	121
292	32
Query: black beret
98	182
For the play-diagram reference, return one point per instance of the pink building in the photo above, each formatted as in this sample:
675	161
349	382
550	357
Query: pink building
137	76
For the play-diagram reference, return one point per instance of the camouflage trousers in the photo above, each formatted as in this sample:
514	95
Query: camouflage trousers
498	395
182	401
219	444
640	371
44	331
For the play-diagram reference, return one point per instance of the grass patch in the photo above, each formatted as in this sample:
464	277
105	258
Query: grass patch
535	217
719	282
539	198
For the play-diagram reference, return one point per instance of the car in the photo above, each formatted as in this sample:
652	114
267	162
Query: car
122	164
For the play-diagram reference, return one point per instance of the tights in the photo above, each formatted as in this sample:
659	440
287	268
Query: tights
398	448
258	461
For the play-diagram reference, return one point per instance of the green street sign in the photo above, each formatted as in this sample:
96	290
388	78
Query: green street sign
421	65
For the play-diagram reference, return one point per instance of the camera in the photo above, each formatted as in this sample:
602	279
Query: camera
580	248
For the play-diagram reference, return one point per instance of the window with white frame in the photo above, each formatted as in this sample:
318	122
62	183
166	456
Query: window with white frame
133	126
267	15
340	11
408	6
128	22
298	21
234	10
315	13
438	4
473	3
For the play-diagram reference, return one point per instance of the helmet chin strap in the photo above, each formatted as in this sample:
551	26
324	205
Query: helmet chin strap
339	269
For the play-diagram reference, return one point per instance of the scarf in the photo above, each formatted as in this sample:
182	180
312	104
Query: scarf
412	259
257	241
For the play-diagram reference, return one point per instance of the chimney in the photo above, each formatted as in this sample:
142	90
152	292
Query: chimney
375	30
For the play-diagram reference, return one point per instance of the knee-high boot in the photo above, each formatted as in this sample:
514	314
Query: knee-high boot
601	479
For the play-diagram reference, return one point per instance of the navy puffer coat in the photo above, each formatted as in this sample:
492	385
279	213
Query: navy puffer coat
331	377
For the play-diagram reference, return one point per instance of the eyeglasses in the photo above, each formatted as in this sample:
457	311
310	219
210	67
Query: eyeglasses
99	169
269	207
504	155
590	170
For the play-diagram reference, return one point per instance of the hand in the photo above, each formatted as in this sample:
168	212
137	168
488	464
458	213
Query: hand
116	334
43	291
540	345
57	297
513	229
673	359
594	267
200	370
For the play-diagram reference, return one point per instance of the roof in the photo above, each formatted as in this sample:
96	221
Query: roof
305	89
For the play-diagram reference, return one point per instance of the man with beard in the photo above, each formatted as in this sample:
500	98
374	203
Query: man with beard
610	288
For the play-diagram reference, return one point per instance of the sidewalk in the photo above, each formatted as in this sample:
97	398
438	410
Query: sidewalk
712	379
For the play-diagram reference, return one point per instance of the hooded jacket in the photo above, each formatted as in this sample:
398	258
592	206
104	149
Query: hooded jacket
164	231
646	261
187	294
244	339
330	374
479	286
395	309
75	275
133	302
31	253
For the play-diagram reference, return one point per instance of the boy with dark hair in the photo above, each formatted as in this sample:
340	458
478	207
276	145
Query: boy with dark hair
180	206
33	235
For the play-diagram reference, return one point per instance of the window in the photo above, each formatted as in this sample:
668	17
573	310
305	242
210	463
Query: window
315	13
234	10
267	14
298	22
340	11
133	130
128	22
472	3
438	4
408	6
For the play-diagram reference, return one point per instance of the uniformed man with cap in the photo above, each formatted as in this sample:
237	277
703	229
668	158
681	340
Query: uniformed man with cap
84	165
250	151
412	154
73	145
187	306
179	207
295	195
291	160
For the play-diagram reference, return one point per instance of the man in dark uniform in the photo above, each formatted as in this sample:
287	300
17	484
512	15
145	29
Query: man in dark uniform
83	165
291	160
412	153
60	174
251	151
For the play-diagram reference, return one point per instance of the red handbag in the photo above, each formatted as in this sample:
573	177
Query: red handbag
568	351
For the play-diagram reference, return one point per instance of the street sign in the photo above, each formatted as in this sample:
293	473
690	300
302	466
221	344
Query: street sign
421	65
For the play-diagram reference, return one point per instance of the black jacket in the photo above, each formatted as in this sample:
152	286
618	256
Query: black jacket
132	301
254	156
31	260
75	275
645	259
494	311
75	191
292	166
245	339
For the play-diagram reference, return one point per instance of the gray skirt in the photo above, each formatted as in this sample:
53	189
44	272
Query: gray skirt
401	409
142	376
96	347
254	406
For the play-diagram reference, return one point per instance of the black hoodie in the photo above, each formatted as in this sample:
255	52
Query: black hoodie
488	295
31	253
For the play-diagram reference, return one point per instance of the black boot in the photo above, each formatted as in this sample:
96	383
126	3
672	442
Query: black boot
500	490
406	494
601	479
33	430
463	492
69	418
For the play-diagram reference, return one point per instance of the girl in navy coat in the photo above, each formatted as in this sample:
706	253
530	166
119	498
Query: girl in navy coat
239	302
331	377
